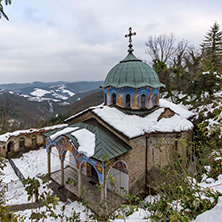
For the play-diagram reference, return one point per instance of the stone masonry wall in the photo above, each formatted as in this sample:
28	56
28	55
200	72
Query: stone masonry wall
160	148
28	143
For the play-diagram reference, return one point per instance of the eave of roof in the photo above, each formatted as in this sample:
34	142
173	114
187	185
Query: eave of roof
114	120
107	145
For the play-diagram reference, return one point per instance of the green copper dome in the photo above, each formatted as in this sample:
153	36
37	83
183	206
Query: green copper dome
132	72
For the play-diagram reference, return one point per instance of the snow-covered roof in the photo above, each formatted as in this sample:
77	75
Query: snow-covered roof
176	108
6	136
134	125
92	140
86	146
62	132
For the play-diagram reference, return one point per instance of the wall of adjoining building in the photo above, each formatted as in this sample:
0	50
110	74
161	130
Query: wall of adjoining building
13	145
3	148
159	149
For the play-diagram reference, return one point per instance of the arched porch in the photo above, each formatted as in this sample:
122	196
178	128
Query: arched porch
91	148
86	171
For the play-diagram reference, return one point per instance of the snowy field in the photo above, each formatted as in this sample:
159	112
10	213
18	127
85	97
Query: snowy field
31	164
34	164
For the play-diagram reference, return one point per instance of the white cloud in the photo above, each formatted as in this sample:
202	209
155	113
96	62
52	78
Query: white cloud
75	40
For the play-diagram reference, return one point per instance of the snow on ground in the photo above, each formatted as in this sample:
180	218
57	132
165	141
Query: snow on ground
77	206
214	185
69	208
135	217
34	163
41	99
66	91
213	215
30	164
39	92
59	96
211	110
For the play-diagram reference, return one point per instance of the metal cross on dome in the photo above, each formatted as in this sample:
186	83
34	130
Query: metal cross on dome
130	39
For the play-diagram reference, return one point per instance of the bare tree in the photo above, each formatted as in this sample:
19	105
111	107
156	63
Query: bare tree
170	59
2	13
161	48
5	112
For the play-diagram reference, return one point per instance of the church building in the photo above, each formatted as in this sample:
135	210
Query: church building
124	138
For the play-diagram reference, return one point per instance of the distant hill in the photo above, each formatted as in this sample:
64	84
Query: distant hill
88	101
18	112
59	92
32	104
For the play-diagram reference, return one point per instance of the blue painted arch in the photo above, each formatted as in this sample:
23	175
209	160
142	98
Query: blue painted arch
80	158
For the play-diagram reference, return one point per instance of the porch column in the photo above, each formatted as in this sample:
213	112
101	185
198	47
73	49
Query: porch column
79	182
102	192
49	162
103	186
62	172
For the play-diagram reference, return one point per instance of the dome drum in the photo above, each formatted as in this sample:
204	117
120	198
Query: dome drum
131	98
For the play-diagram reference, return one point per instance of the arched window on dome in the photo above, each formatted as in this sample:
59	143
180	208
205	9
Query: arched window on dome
105	98
155	99
143	101
128	101
114	98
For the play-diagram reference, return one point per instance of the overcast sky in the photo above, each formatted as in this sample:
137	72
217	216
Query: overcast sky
70	40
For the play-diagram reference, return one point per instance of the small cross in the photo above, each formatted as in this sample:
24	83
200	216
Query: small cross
130	38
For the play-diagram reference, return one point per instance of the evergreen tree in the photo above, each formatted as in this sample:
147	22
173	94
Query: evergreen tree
212	48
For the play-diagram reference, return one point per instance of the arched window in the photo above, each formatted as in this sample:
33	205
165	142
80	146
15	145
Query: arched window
105	99
118	178
143	101
10	147
128	100
34	141
22	142
114	98
155	99
121	166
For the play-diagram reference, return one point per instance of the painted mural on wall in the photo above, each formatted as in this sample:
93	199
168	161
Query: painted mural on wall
142	98
121	166
63	144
